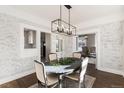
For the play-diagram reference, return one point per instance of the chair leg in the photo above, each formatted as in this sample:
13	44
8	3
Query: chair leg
79	85
54	85
60	81
38	84
45	86
84	82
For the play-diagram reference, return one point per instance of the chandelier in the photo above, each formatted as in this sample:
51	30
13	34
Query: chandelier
60	26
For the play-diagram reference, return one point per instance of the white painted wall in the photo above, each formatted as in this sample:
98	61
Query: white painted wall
122	47
109	42
15	61
91	40
67	45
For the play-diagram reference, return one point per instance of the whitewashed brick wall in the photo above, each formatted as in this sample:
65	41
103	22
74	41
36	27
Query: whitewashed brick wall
122	52
10	61
110	46
111	42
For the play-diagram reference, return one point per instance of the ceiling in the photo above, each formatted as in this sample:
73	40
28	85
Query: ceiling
79	13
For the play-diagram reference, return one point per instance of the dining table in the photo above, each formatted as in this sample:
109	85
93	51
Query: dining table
62	70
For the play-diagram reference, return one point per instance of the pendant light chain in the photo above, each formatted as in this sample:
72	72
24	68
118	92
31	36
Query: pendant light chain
60	15
69	20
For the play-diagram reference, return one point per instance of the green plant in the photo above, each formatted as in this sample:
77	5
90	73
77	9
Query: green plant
55	63
63	61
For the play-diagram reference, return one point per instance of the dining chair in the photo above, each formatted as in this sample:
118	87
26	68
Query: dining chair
77	55
52	56
85	51
46	80
80	77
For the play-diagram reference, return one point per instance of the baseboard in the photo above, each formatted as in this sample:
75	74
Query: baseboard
14	77
118	72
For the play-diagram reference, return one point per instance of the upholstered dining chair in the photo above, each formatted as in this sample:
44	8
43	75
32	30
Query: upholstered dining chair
46	80
80	77
77	55
52	56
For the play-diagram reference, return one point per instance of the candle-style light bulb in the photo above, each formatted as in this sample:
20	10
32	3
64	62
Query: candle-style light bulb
62	28
57	28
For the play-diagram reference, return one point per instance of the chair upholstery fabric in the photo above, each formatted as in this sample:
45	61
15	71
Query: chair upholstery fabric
77	55
83	68
80	76
51	79
52	56
40	72
45	78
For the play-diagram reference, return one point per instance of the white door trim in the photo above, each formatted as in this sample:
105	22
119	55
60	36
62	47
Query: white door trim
97	41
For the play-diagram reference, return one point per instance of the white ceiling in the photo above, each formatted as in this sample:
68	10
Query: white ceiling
79	13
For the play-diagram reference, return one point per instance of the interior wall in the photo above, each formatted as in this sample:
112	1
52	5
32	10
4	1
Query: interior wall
91	40
67	45
15	61
122	52
110	46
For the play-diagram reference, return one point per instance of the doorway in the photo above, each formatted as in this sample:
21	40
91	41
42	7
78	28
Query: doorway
88	41
45	46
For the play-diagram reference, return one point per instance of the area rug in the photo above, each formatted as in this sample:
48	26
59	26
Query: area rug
89	81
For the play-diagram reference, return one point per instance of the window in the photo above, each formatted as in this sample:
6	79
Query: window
81	41
59	45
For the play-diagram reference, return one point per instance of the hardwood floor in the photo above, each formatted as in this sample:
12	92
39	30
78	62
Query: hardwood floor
23	82
103	80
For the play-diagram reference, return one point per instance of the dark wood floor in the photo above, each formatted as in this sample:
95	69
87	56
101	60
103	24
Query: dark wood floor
103	80
23	82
